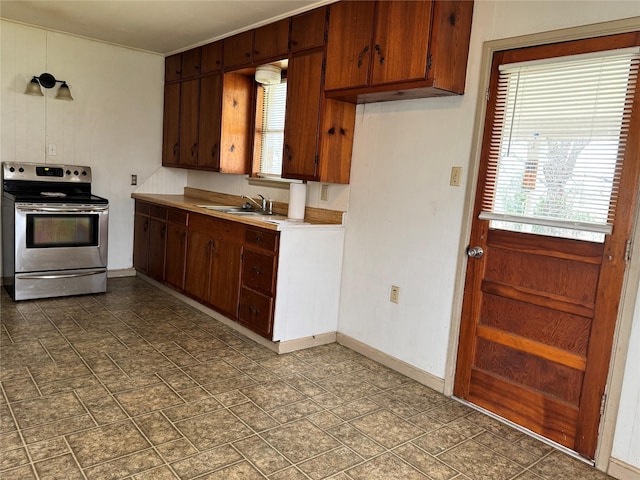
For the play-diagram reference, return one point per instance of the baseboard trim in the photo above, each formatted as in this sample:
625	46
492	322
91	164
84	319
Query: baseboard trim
393	363
622	470
122	272
277	347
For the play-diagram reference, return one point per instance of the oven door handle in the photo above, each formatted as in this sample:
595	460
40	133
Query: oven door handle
54	276
31	209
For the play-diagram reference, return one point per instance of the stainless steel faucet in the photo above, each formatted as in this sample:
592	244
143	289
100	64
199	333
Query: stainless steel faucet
265	207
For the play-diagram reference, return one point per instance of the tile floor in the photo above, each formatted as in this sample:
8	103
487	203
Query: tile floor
135	384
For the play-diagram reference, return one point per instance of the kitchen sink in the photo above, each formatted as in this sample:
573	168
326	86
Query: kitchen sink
235	210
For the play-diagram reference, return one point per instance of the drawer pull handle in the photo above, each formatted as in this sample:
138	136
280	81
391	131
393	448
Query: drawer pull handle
364	50
254	310
257	270
258	238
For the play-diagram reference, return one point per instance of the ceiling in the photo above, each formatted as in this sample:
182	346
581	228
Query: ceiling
153	25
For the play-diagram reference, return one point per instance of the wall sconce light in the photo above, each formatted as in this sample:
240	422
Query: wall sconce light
48	81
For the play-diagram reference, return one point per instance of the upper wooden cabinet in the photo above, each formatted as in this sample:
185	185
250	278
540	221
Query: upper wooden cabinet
211	57
381	50
308	30
318	132
271	42
238	50
258	46
183	65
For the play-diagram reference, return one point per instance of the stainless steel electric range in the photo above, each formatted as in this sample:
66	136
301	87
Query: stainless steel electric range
54	231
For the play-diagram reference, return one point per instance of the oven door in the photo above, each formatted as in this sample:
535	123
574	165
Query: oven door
53	237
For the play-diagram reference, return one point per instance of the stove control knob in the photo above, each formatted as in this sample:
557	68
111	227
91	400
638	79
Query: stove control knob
75	172
68	172
12	169
84	173
21	170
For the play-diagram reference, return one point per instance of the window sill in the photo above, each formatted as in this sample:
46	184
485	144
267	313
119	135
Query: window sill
272	182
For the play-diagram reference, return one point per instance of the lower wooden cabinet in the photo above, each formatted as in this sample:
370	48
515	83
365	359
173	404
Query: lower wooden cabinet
256	312
283	285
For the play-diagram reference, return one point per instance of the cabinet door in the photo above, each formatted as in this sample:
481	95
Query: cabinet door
271	41
209	123
191	62
171	125
349	45
157	246
237	121
189	103
140	242
401	41
211	57
336	140
198	265
176	255
237	50
308	30
224	287
304	83
256	312
173	67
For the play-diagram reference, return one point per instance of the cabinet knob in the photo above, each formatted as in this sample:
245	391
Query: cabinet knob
257	270
287	150
175	149
343	131
254	310
247	54
194	148
232	148
331	131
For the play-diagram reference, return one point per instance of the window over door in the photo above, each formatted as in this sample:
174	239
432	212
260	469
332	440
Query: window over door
559	136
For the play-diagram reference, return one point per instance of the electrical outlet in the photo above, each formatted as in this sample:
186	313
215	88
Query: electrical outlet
52	149
456	176
395	294
134	179
324	192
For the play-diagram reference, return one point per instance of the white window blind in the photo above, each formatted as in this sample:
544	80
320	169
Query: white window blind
559	134
272	133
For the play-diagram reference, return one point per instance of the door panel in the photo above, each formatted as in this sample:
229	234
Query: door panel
539	312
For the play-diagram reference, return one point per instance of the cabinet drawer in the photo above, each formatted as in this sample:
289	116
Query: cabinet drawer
262	238
142	208
178	217
258	271
217	228
255	312
158	212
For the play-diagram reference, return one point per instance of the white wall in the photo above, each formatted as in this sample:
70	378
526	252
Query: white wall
114	124
404	219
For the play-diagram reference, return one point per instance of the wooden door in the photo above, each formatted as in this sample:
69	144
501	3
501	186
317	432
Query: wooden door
271	42
189	104
171	125
176	255
349	44
238	50
401	41
141	239
539	312
191	60
157	246
237	121
308	30
224	287
212	57
198	265
304	87
209	123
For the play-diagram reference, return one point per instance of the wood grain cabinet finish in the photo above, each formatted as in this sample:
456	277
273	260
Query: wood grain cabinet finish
189	111
318	133
209	121
213	262
171	125
308	30
211	57
380	50
271	42
149	241
238	50
176	248
191	60
259	272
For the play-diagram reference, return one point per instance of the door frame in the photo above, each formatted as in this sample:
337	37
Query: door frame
630	287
